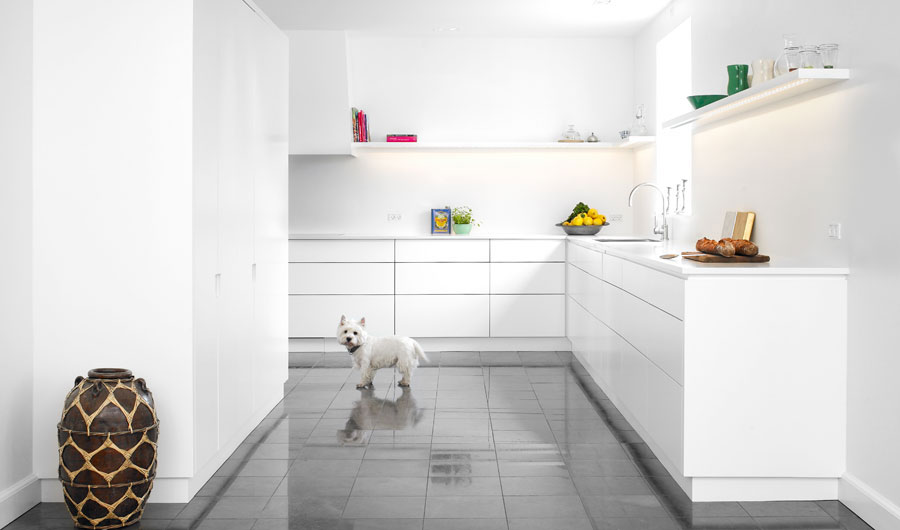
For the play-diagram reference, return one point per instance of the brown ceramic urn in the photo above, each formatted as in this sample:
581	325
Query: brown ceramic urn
107	448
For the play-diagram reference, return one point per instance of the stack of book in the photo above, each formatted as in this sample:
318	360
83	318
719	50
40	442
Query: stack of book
360	126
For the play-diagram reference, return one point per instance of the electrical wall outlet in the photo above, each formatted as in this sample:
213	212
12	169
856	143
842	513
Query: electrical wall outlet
394	216
614	218
834	231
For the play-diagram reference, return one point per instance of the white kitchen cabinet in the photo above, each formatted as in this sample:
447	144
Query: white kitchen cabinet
341	278
443	278
523	315
342	251
585	259
740	396
319	315
442	250
517	250
528	278
442	315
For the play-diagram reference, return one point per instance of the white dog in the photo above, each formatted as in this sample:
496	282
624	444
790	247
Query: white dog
371	353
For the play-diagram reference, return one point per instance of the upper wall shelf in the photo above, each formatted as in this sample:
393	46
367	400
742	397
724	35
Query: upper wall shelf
782	87
368	147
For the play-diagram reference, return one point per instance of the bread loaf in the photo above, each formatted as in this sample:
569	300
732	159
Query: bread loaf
742	247
711	246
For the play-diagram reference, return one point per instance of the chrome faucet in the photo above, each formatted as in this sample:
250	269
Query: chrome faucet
660	230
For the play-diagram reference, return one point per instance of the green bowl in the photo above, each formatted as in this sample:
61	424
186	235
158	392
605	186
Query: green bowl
702	101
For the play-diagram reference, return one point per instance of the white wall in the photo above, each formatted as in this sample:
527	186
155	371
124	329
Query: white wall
833	157
112	195
492	89
474	89
18	486
525	192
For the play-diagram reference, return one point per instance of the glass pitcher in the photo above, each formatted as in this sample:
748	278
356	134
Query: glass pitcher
789	60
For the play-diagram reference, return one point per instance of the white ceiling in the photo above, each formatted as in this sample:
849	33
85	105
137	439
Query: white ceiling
574	18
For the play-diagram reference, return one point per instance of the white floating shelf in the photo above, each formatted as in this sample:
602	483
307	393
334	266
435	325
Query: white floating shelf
367	147
782	87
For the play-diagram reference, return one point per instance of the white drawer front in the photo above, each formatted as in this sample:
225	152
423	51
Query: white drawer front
587	291
503	250
442	315
665	415
585	259
341	278
437	250
662	290
341	251
319	315
528	278
612	269
658	335
443	278
528	315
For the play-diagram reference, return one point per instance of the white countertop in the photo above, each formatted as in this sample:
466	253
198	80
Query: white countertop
648	254
642	253
479	235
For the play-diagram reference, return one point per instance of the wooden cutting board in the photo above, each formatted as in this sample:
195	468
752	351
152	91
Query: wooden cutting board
711	258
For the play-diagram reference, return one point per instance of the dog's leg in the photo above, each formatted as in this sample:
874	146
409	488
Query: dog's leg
368	373
406	370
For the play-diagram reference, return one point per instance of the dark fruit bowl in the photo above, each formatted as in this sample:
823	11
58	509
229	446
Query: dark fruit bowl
704	100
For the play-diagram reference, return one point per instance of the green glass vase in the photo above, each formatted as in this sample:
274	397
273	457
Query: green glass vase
737	78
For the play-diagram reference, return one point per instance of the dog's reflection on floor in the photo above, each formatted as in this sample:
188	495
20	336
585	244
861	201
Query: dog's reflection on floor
373	413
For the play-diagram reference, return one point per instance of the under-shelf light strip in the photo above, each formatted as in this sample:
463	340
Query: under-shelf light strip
757	97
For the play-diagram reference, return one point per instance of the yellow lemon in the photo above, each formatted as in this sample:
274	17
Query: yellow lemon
578	221
601	219
592	212
588	222
566	223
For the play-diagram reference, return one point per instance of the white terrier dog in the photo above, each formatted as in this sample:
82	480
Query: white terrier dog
371	353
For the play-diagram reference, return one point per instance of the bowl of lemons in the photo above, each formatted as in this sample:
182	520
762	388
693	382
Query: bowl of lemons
583	221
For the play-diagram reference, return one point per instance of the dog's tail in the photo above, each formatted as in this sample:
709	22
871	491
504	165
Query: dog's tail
420	353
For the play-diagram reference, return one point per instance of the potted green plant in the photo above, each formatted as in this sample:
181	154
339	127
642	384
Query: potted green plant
463	220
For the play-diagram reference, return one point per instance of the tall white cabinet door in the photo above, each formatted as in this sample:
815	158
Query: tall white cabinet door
270	213
524	315
442	315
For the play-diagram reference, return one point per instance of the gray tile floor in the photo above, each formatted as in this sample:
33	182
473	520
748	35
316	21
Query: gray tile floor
482	441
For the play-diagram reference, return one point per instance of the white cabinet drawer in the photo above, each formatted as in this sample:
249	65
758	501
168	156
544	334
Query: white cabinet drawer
341	278
612	270
590	261
442	315
341	251
528	278
503	250
528	315
319	315
437	250
587	291
660	289
658	335
665	415
443	278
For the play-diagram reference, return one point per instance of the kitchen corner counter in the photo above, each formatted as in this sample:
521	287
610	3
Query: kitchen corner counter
648	254
427	236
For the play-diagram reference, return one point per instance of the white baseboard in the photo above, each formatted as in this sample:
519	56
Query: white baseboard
449	344
745	489
874	508
18	499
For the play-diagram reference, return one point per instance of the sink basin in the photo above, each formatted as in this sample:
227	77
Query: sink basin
613	239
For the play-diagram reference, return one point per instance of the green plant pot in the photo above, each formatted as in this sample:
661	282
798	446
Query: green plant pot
462	230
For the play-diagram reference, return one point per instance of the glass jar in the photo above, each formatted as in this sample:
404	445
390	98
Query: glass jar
571	135
829	55
809	57
639	128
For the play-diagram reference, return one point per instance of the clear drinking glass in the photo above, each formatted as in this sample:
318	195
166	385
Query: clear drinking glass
639	128
809	57
829	55
571	134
